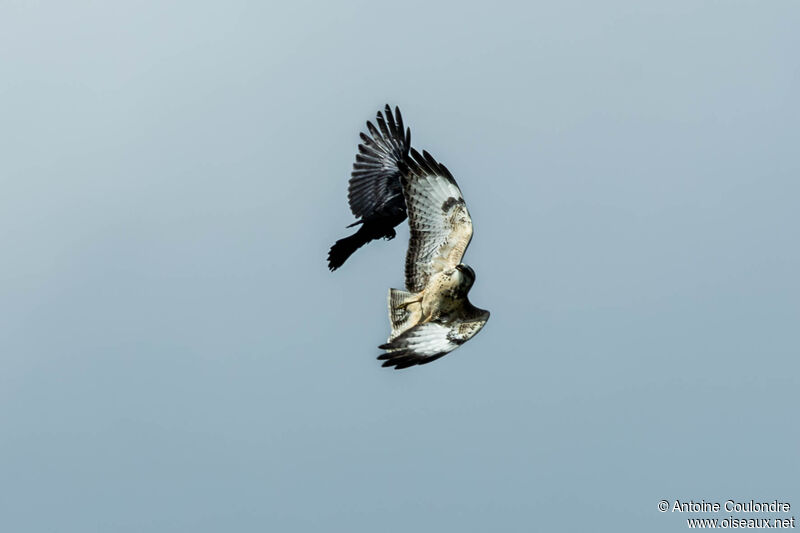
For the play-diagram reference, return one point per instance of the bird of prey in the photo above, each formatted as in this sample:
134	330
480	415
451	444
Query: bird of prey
375	193
434	317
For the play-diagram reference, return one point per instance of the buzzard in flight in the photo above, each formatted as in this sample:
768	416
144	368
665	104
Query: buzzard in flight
435	316
375	193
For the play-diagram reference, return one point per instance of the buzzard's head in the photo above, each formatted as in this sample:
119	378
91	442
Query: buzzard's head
466	274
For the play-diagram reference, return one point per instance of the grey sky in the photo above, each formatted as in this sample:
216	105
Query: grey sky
176	356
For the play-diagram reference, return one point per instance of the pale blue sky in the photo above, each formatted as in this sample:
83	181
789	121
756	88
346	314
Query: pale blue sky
175	356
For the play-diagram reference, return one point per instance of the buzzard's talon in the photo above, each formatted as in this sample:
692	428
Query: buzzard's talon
405	305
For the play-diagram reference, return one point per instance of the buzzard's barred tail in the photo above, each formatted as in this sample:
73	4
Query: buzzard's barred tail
403	311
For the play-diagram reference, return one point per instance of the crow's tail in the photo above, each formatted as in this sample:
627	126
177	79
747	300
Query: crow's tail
370	230
344	248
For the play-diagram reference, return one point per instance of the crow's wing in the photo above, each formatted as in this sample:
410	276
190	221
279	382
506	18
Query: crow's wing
440	224
375	186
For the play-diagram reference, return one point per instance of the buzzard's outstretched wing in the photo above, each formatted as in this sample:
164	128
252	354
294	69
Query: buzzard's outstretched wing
430	341
375	183
440	224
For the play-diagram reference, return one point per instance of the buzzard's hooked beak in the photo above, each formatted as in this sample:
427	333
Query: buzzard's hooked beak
466	271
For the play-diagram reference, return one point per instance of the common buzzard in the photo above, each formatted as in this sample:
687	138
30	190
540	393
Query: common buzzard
434	317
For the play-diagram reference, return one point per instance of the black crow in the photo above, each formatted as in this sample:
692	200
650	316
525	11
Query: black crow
375	193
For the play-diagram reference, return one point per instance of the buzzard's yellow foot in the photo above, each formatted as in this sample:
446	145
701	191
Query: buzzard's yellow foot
405	305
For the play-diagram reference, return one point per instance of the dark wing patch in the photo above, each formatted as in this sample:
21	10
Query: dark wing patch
468	325
450	202
375	187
